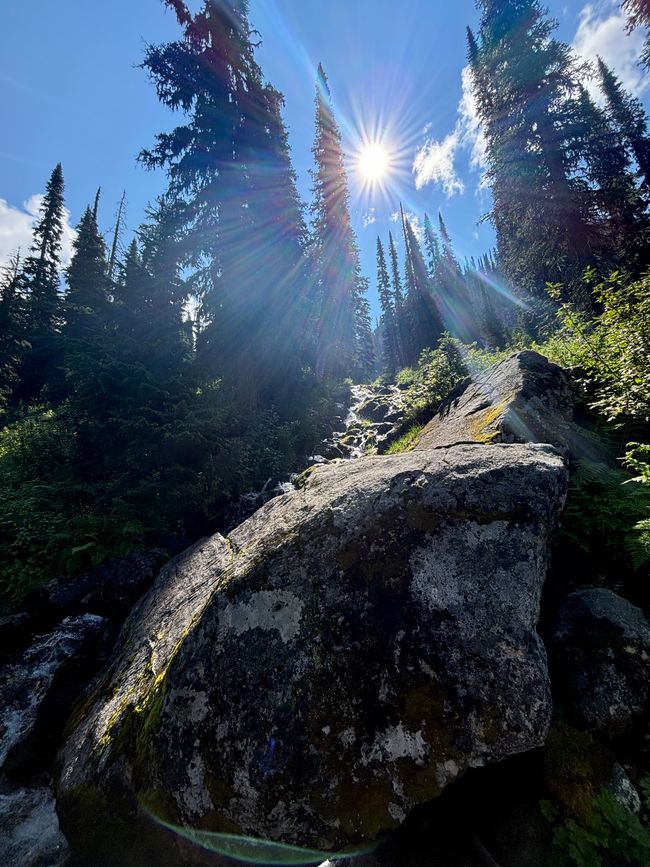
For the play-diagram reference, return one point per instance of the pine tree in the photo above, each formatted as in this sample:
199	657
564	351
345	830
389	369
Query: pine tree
232	198
432	247
392	353
334	248
422	303
525	82
458	312
12	325
624	239
87	298
40	358
629	116
365	362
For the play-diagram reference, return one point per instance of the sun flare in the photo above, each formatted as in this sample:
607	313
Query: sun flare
374	162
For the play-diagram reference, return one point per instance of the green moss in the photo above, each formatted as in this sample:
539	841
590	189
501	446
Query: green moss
407	442
576	768
480	424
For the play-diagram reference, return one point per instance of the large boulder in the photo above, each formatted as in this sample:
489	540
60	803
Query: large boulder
601	649
525	398
348	652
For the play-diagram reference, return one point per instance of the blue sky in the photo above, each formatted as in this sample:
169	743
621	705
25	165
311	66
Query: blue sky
70	91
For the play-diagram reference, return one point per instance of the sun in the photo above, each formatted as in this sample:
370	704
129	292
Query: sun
374	163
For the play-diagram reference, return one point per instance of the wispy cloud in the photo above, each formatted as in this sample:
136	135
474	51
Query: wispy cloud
16	224
435	161
414	222
601	31
369	218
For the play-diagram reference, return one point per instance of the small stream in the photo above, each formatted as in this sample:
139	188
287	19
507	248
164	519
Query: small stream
374	416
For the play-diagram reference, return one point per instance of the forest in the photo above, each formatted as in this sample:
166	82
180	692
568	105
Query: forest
132	417
155	379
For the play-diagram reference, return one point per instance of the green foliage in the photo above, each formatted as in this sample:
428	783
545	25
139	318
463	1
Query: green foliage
613	347
607	833
637	458
78	488
602	515
406	442
438	372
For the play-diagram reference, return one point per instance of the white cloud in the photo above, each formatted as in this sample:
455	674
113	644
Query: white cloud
414	222
434	164
435	161
16	225
601	31
369	218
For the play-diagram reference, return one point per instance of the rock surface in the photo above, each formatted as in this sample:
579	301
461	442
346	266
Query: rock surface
601	645
349	651
33	685
525	398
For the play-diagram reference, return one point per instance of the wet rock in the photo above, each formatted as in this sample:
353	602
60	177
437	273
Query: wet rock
110	589
27	681
15	633
525	398
374	410
601	648
31	836
351	649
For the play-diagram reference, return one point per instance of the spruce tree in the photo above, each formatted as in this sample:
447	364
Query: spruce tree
432	247
638	15
365	362
231	198
41	275
390	334
12	325
334	248
525	82
422	303
629	116
458	312
624	240
87	298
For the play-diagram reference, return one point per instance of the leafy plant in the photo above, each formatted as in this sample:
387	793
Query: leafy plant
607	833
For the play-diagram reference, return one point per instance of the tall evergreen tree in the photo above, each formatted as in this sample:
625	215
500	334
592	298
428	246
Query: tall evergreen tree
392	353
629	116
524	81
624	239
41	274
365	362
232	197
12	325
432	247
87	298
334	246
458	312
422	302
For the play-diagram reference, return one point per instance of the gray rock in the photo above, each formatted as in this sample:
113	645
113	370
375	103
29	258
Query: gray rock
601	646
525	398
348	652
31	836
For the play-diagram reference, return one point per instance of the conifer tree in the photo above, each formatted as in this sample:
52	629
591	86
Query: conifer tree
334	246
231	197
638	15
624	239
422	303
525	82
12	325
432	247
41	273
392	353
87	298
630	118
457	310
365	362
